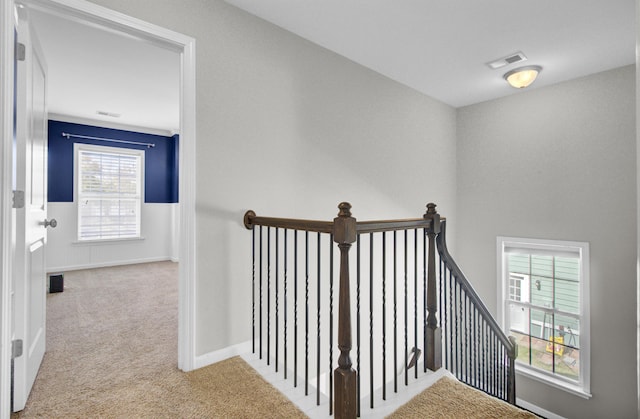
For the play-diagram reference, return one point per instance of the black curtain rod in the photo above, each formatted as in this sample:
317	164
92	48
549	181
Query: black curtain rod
86	137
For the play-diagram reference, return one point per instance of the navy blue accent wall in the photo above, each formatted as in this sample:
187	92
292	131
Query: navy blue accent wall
161	161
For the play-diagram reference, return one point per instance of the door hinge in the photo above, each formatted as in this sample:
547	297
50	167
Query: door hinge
16	348
21	52
18	199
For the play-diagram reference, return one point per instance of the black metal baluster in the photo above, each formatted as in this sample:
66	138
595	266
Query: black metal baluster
253	291
318	319
470	332
489	367
295	308
261	265
424	303
496	391
443	310
465	355
371	317
503	375
471	343
497	367
285	304
384	316
415	298
501	371
474	351
478	348
465	303
277	299
268	295
306	315
471	335
485	360
395	312
330	324
358	322
406	310
480	354
482	357
455	335
463	337
450	319
495	364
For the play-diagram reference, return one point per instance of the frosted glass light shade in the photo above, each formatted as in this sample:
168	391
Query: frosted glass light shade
523	76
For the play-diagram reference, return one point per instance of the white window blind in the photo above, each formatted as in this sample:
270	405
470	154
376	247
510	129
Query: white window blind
109	192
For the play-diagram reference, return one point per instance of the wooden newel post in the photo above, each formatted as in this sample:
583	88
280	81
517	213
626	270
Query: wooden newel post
511	382
344	233
433	355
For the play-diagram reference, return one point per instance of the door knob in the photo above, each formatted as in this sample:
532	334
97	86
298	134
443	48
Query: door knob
50	223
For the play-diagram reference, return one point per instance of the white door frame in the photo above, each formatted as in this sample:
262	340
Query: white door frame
103	17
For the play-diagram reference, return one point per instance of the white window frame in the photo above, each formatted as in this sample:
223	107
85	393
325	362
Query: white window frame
581	387
77	147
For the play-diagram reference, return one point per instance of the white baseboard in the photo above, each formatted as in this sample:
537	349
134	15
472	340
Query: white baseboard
538	410
105	264
222	354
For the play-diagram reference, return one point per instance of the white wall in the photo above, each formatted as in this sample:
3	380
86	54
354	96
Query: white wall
560	163
64	253
287	128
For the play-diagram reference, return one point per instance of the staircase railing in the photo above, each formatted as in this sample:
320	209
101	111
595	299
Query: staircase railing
476	350
391	254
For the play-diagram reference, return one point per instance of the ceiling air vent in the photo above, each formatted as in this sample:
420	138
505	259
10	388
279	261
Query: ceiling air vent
509	59
111	114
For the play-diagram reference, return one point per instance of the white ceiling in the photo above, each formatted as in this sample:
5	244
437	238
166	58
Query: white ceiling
441	47
438	47
93	69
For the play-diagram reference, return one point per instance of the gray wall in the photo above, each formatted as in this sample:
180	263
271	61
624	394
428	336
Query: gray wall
287	128
638	198
560	163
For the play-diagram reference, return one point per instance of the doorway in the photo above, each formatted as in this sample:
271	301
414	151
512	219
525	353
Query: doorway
97	16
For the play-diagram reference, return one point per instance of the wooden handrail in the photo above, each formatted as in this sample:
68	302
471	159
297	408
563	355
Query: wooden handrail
373	226
251	220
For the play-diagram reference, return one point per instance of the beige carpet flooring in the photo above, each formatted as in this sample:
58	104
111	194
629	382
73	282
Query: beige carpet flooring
112	353
448	398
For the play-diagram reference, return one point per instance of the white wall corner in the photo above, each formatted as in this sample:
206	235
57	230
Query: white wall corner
537	410
222	354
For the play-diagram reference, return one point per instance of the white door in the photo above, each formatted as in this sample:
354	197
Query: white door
29	284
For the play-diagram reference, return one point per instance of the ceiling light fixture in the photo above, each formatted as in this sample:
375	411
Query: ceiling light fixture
522	77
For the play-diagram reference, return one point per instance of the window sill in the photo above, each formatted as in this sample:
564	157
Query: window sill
106	241
574	389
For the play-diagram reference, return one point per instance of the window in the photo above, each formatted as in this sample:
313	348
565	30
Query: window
544	294
108	192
